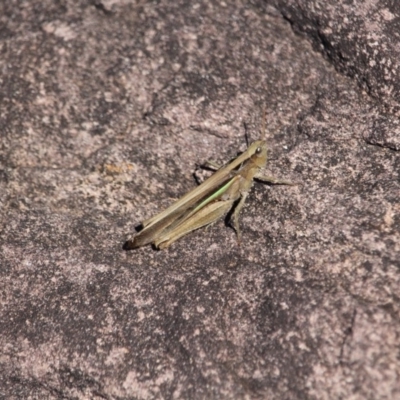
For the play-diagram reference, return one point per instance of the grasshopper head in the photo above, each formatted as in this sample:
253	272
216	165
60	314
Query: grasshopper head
258	151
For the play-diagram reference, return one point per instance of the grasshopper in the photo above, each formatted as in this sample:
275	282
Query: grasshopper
228	187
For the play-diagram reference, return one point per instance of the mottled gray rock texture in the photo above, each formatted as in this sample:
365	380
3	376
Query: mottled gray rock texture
107	108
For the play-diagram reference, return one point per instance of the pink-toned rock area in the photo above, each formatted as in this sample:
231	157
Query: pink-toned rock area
107	109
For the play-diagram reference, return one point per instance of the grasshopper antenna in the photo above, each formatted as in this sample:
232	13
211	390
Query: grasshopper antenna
263	123
246	135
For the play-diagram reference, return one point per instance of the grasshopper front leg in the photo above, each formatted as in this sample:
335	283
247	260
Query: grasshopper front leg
212	165
275	181
243	195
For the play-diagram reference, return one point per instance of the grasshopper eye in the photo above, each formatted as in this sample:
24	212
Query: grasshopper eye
258	150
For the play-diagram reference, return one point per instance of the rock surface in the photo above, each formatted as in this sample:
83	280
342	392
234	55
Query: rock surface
107	109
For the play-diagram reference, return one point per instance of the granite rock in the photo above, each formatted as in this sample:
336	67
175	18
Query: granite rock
107	110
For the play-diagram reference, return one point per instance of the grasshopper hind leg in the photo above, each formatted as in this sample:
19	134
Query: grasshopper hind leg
205	216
